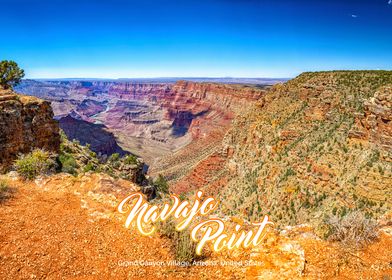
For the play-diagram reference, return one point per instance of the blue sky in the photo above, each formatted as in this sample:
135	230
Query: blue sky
214	38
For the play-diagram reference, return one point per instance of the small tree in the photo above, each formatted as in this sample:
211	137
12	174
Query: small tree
10	74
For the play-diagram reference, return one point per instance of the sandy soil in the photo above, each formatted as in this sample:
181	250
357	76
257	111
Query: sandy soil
65	228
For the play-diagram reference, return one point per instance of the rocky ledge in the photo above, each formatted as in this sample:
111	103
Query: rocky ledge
375	125
25	123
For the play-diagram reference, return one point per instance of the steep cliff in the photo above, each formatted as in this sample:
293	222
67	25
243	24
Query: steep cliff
100	140
205	111
25	123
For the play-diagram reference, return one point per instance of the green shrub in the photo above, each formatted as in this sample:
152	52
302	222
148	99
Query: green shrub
3	188
38	162
130	159
114	157
65	149
161	185
89	167
68	164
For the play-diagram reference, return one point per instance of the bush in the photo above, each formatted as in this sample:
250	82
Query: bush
38	162
89	167
130	159
353	229
68	164
161	185
114	157
3	189
183	246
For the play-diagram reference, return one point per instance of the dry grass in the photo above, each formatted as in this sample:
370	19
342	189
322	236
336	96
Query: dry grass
5	190
184	248
353	230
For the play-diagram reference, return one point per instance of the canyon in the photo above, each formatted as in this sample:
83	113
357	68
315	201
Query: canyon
314	147
152	120
318	144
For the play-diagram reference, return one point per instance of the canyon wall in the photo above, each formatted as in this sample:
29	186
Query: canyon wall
316	146
96	135
25	123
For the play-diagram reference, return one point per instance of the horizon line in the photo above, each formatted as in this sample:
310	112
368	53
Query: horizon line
168	77
198	77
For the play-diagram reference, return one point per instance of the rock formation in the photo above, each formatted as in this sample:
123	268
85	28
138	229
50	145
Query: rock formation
25	123
374	124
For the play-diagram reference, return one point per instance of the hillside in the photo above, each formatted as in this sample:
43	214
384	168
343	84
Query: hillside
316	146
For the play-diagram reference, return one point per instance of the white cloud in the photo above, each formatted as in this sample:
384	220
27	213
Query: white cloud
355	16
390	2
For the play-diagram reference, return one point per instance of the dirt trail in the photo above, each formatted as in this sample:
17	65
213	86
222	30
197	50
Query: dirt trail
48	232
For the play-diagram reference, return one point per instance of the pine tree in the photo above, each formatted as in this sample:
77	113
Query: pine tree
10	74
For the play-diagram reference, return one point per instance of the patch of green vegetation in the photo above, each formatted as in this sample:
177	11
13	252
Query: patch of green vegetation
161	185
289	172
38	162
3	188
130	159
68	164
89	167
114	157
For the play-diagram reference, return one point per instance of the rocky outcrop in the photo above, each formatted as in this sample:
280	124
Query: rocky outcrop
25	123
375	124
83	159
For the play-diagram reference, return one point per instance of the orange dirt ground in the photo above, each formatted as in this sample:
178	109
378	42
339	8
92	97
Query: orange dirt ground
54	230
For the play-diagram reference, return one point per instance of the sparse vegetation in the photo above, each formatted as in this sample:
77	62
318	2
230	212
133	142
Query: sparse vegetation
183	246
130	159
68	164
114	157
89	167
353	229
4	188
161	185
38	162
307	136
76	159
